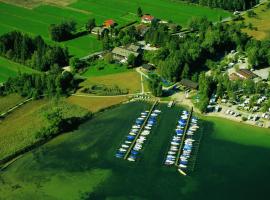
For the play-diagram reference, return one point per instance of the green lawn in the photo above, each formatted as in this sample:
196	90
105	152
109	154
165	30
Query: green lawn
10	69
233	163
101	68
36	21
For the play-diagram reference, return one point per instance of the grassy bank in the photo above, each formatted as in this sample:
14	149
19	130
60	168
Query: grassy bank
232	163
95	104
20	129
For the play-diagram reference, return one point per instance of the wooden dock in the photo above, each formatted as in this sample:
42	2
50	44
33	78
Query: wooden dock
141	129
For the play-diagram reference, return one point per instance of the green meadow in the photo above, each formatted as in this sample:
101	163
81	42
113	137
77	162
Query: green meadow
10	69
37	20
101	68
232	163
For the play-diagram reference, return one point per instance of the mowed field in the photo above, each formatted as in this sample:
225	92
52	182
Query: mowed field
95	104
233	163
9	68
37	20
130	80
261	21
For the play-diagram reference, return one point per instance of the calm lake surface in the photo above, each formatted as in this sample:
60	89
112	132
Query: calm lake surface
233	163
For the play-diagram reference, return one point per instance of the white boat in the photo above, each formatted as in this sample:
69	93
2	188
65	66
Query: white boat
182	166
154	115
157	111
125	146
132	133
144	134
148	127
131	159
175	143
171	152
128	142
122	150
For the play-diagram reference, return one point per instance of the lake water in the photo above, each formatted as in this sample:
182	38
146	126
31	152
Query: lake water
233	163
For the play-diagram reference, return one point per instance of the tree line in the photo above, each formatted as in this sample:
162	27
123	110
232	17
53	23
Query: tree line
33	52
227	5
40	84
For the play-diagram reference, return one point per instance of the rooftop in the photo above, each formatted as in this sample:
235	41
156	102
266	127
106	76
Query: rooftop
123	52
188	83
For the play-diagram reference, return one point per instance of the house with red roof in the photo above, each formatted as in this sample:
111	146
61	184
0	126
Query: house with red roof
109	23
148	19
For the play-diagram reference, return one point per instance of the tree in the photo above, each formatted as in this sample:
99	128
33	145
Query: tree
132	60
108	58
185	71
139	12
90	24
251	13
155	86
63	31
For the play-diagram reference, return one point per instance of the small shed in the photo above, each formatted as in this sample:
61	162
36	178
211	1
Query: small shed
189	84
148	67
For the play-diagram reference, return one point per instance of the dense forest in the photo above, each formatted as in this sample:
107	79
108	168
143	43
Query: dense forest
227	4
33	52
41	84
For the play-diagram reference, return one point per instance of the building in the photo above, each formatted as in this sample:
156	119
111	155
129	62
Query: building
189	84
142	29
148	67
245	74
109	23
148	19
98	30
121	54
234	77
134	48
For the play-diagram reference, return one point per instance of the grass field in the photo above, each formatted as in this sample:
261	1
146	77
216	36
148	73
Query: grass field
37	20
101	68
10	69
95	104
127	80
232	163
261	21
9	101
17	129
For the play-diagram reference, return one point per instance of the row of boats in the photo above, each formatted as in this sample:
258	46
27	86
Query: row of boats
177	138
138	134
188	144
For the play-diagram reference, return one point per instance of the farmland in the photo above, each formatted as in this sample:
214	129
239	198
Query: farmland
37	20
10	69
261	21
9	101
81	165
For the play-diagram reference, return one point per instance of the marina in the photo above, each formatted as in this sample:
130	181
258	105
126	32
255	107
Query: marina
180	152
138	134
